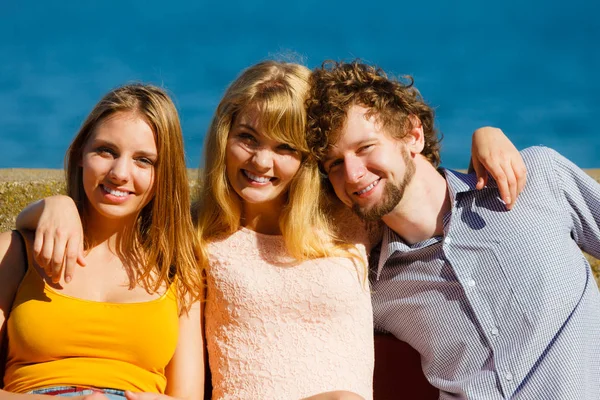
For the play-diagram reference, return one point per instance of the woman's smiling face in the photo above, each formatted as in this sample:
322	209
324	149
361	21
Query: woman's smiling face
259	169
118	167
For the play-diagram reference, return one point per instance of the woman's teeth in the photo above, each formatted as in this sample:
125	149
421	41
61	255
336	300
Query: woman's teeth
114	192
256	178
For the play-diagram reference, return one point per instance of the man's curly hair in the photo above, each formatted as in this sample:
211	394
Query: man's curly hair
337	86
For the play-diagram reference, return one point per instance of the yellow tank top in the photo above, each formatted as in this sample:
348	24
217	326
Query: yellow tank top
56	340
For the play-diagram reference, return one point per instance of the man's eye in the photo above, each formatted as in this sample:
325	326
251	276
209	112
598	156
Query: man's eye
332	165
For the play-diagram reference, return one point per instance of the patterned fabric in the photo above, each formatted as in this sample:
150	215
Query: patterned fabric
76	391
276	329
504	304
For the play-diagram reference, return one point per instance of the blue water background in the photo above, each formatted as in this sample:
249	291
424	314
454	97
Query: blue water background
529	67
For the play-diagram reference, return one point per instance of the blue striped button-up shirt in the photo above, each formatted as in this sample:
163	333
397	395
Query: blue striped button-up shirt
504	304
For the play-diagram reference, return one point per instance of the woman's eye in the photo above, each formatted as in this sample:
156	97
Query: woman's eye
105	151
247	137
287	147
145	161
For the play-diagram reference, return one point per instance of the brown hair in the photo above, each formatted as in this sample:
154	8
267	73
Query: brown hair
161	246
337	86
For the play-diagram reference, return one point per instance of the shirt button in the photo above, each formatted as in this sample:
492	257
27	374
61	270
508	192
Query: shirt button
471	282
508	376
448	240
494	331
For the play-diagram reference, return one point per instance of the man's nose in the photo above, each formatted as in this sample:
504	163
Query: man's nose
355	169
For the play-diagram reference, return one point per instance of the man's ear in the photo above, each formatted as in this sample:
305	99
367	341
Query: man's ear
414	139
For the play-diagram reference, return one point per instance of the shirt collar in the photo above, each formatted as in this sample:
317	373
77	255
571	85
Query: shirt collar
458	183
392	242
387	247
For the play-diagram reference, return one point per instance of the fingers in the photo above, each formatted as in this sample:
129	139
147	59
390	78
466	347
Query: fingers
95	396
494	151
38	243
57	252
511	181
502	173
58	256
509	174
44	250
130	395
520	170
144	396
500	176
58	244
480	171
81	257
74	254
508	183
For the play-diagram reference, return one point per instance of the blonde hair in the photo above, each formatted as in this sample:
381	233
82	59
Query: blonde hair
278	90
161	246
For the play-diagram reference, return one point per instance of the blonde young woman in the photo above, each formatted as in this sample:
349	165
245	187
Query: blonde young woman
129	325
288	312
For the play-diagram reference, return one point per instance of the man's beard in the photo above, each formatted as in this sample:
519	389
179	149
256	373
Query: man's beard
391	196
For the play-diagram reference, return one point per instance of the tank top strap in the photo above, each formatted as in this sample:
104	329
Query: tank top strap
24	251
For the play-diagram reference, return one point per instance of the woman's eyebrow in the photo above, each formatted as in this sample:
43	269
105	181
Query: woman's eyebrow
249	127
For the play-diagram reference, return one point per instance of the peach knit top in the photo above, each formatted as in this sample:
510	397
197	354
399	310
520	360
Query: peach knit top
278	330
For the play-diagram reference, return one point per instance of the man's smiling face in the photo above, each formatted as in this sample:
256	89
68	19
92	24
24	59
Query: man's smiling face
368	169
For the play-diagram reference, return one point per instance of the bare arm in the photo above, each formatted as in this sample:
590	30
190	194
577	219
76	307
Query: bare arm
495	154
58	243
185	372
13	265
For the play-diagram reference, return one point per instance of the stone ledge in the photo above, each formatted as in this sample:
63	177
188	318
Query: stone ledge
19	187
36	175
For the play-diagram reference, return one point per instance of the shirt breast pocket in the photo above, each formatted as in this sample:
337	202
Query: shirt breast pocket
546	272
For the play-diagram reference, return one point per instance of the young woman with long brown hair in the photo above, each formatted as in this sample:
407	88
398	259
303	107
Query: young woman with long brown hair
129	325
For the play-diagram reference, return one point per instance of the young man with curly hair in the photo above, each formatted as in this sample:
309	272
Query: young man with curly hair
499	304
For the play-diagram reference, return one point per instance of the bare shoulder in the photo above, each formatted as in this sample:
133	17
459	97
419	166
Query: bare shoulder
11	246
13	261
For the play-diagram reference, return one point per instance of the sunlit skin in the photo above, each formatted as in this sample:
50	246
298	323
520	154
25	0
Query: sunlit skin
366	161
118	169
260	171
